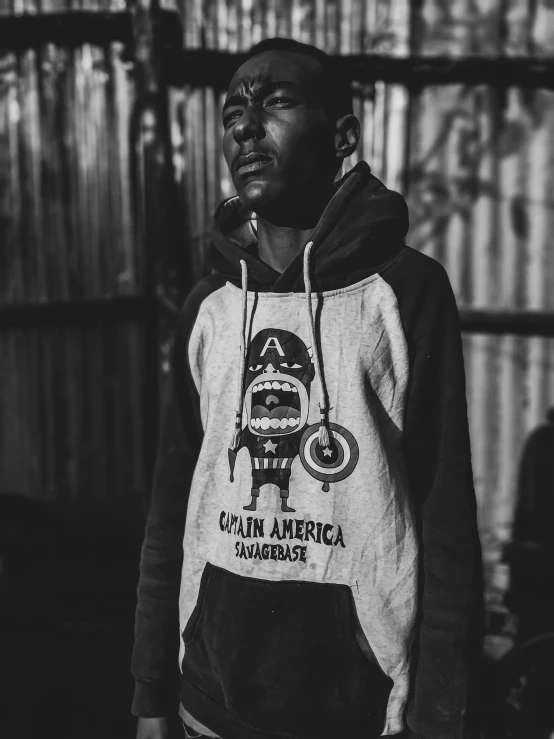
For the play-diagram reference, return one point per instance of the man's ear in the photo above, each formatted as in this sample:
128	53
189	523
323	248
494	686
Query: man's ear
347	135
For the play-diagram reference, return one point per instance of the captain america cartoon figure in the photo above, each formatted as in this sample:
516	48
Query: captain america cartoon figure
279	372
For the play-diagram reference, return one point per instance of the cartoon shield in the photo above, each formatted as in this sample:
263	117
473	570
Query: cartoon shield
332	463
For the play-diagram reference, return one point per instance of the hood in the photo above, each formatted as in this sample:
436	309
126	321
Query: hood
362	227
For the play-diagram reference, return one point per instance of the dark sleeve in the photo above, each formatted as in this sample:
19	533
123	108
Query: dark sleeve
154	662
437	448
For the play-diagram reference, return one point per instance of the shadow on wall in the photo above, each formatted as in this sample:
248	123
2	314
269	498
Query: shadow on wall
520	704
67	599
531	551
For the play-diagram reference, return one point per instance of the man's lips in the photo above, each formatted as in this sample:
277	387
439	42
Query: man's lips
251	162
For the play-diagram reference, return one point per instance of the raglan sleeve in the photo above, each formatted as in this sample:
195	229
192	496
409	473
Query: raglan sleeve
438	456
154	661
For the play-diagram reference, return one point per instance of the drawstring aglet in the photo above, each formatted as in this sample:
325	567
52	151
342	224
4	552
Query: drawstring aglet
323	428
235	440
235	443
323	439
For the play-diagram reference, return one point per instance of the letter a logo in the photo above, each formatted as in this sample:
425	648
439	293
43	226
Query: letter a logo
272	343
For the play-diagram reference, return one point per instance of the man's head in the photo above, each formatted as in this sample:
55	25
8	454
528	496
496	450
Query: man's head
288	124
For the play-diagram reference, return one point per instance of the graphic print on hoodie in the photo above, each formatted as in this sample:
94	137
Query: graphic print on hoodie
276	404
298	537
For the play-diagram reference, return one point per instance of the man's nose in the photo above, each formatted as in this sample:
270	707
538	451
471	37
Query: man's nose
248	126
270	369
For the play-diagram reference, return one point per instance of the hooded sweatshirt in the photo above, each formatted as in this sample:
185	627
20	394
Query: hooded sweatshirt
311	565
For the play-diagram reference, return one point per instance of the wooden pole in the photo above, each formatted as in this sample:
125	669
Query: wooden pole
209	67
164	270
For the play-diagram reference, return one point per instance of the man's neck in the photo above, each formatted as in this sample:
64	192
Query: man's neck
280	238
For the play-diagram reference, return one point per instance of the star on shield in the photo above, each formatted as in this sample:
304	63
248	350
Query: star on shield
327	452
269	447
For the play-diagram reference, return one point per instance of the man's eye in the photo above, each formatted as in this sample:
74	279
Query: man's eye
284	101
231	117
291	365
255	367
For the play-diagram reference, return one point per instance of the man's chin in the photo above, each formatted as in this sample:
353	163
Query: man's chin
256	196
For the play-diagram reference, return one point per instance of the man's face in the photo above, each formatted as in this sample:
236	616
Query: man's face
275	113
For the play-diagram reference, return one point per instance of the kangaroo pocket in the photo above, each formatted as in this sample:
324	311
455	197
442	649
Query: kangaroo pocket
283	656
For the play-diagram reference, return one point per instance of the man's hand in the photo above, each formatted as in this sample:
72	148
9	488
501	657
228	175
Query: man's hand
153	728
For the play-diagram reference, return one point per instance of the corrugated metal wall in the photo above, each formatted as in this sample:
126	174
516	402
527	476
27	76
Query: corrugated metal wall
337	26
482	202
66	197
391	27
72	395
38	7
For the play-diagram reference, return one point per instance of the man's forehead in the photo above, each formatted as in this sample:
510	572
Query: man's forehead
273	66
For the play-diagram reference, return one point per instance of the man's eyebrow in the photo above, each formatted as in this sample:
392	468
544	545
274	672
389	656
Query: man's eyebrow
240	98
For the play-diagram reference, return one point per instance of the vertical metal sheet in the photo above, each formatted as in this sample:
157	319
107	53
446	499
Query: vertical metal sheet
337	26
486	28
71	399
492	208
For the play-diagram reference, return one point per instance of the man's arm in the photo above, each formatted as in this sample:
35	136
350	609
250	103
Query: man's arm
438	458
154	662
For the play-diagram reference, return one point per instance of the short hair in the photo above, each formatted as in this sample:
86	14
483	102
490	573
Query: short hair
339	99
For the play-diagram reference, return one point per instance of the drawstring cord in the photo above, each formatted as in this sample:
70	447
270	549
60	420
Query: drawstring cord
242	367
323	410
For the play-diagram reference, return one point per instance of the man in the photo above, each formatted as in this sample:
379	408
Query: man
323	561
